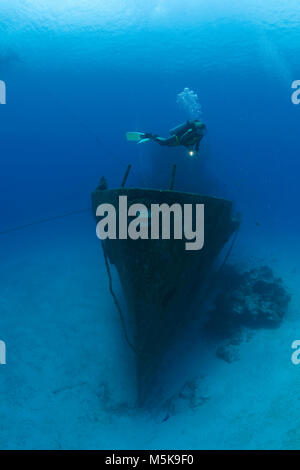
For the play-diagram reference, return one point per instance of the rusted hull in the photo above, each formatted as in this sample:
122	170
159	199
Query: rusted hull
160	278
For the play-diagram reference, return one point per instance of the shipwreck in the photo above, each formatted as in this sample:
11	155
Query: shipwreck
159	277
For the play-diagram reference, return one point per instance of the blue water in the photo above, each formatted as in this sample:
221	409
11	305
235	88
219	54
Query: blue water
79	75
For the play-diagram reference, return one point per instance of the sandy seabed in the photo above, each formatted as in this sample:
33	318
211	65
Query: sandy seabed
68	382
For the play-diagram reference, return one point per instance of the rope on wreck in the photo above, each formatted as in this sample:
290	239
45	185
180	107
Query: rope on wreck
116	300
229	251
43	221
214	276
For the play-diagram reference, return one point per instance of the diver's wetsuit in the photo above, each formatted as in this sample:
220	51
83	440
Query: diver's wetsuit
188	135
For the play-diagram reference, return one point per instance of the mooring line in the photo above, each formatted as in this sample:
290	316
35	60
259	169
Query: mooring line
116	300
229	251
42	221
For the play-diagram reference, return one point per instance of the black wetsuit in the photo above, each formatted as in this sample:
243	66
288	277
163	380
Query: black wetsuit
188	135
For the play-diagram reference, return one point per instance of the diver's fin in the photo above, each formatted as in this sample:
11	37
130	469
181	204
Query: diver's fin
135	136
142	141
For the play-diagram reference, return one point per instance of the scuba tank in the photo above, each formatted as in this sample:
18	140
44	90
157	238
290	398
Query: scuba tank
180	129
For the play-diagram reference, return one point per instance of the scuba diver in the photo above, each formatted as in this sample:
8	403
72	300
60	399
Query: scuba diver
187	135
